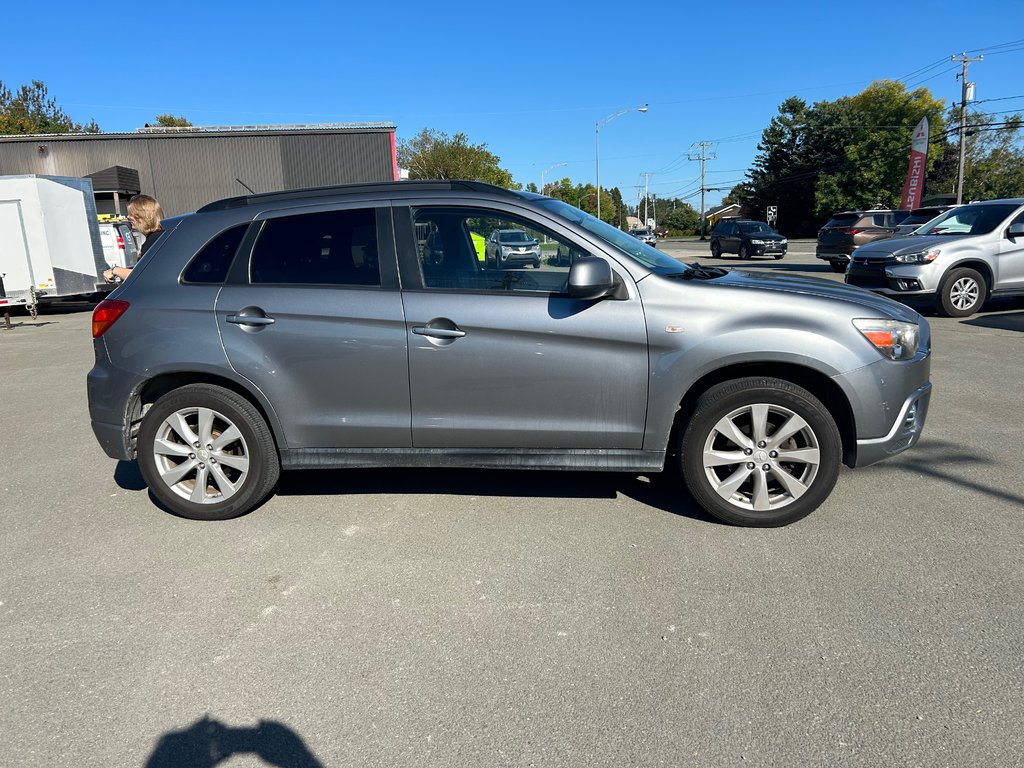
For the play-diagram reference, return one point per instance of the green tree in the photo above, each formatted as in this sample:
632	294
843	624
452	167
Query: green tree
876	148
786	168
171	121
435	155
32	110
993	157
682	218
849	153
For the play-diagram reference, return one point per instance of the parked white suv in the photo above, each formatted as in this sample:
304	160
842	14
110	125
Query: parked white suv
958	260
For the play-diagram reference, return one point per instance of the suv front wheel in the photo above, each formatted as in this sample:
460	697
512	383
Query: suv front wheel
760	452
206	453
962	293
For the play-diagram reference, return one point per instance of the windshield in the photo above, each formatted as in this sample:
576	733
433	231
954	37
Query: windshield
514	237
753	227
977	219
621	241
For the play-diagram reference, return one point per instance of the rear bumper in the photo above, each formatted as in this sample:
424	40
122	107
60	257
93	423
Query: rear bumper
110	391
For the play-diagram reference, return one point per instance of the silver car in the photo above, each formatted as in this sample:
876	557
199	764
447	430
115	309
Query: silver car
957	260
645	235
511	248
313	329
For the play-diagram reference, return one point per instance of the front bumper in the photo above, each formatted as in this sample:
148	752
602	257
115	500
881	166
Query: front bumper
905	432
518	259
890	279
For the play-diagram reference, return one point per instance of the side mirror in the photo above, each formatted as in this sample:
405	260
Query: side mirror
1016	230
590	278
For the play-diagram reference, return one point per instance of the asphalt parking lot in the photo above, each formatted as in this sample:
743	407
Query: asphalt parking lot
454	618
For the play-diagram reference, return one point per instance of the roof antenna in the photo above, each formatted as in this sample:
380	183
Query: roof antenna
251	190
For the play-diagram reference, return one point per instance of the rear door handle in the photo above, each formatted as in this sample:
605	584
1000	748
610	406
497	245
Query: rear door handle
243	320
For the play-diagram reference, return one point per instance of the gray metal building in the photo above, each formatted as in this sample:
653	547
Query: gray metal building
185	168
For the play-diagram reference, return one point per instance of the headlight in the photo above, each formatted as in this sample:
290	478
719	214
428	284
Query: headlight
757	242
894	339
920	257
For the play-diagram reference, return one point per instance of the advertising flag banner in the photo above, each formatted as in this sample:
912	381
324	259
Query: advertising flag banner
914	185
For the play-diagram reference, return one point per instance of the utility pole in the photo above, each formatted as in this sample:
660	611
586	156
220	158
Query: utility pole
647	187
703	157
964	59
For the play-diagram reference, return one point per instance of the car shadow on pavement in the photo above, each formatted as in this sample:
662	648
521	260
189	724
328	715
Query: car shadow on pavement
1004	321
654	491
947	462
208	742
128	476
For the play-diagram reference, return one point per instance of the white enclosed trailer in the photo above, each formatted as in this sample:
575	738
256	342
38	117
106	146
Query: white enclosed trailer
49	239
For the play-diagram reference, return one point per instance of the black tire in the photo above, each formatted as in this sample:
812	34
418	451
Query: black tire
962	293
241	470
837	266
716	249
744	251
743	492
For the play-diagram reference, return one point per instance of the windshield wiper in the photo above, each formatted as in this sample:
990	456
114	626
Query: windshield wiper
697	271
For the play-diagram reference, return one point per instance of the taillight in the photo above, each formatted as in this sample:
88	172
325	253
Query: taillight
106	314
853	231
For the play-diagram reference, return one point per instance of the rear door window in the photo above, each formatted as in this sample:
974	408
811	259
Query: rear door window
325	248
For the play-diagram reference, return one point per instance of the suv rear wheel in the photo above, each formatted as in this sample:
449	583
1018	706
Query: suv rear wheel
962	293
716	249
760	452
206	453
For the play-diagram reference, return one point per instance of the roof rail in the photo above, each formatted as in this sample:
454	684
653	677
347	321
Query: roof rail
350	189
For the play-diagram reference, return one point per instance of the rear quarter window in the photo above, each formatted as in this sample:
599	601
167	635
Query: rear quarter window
211	264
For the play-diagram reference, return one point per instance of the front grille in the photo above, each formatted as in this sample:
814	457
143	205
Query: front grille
866	278
864	261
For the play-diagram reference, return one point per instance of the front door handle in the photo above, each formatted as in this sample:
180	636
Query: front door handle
438	333
251	316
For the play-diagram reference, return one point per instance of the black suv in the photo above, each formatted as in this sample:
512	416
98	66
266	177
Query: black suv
747	238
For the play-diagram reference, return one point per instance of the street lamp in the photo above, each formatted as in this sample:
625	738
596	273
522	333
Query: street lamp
597	146
542	173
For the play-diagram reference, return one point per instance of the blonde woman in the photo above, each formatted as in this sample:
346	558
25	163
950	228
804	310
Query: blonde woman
145	215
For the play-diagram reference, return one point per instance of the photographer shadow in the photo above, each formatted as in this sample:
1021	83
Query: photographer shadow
207	743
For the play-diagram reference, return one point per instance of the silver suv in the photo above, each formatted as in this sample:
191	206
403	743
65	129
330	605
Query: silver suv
315	329
958	260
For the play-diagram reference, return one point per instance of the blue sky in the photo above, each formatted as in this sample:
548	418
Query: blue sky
528	79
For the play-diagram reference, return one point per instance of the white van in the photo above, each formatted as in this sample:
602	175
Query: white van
119	249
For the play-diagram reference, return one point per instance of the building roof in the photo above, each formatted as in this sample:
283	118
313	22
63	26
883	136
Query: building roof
156	132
